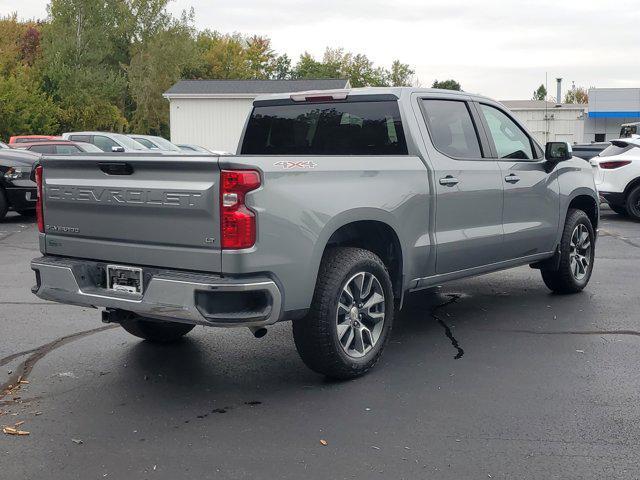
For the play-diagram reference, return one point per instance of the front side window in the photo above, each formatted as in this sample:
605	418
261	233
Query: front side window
104	143
451	128
509	139
331	128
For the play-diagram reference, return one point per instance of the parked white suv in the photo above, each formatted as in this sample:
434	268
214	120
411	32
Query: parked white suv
107	142
617	176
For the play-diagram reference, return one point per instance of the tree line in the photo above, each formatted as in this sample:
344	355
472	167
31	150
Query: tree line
104	65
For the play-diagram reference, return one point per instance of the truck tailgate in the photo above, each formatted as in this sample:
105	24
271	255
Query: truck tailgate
155	210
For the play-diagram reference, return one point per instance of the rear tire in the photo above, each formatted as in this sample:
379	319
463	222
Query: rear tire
619	209
633	203
4	204
27	213
351	315
155	331
577	254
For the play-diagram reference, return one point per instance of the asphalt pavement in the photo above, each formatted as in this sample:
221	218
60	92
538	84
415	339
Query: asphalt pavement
491	377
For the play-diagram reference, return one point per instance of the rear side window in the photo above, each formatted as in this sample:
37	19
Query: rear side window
451	128
81	138
333	128
66	149
41	148
510	141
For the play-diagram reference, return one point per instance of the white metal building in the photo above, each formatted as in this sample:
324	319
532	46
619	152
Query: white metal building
608	109
549	122
212	113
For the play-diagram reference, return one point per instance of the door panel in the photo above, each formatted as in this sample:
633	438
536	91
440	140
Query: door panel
468	214
531	208
468	223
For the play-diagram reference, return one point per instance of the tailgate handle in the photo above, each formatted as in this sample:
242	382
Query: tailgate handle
116	168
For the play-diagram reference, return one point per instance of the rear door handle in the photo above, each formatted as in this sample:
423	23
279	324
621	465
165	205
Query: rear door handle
513	178
449	181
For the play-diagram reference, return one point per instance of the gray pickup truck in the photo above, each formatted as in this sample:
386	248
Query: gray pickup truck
337	204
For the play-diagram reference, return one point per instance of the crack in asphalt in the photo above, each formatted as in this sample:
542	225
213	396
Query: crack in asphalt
453	298
23	370
607	233
574	332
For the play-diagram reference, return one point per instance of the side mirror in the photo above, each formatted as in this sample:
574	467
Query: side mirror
117	149
558	152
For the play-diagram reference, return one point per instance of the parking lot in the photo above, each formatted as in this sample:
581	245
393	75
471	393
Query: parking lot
491	377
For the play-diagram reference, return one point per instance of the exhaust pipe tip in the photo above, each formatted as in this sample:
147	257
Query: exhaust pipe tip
258	332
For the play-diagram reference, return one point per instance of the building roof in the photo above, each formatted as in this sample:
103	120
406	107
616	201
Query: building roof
540	105
249	88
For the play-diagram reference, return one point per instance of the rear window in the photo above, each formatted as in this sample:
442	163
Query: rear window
333	128
613	150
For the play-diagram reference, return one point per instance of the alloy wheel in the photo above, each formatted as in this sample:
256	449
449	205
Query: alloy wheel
580	252
360	314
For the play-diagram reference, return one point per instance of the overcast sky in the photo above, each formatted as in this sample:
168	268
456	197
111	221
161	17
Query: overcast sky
498	48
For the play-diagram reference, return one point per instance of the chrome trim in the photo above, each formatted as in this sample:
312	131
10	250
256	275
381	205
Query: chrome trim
164	297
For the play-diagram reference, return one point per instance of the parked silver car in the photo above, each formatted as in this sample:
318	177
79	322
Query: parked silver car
106	141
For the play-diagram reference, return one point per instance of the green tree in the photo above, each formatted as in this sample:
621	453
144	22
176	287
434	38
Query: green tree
156	65
282	69
540	93
401	74
24	108
447	85
577	95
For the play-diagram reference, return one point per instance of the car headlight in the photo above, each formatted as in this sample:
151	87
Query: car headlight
18	173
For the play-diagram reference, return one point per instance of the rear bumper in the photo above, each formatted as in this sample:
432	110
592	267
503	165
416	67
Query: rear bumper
612	198
171	295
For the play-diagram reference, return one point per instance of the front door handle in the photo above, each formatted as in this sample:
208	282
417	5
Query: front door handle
449	181
513	178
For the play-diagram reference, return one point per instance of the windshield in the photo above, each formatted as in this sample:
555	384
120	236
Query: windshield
128	142
165	144
145	142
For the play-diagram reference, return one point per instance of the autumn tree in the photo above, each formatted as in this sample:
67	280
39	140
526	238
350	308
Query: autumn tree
577	95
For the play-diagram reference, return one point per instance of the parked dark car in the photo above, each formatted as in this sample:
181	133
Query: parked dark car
17	191
587	151
59	147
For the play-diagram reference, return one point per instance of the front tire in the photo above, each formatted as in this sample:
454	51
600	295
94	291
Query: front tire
4	204
633	203
351	316
155	331
577	254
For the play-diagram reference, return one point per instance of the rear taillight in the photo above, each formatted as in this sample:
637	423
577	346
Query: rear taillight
237	221
614	164
39	210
